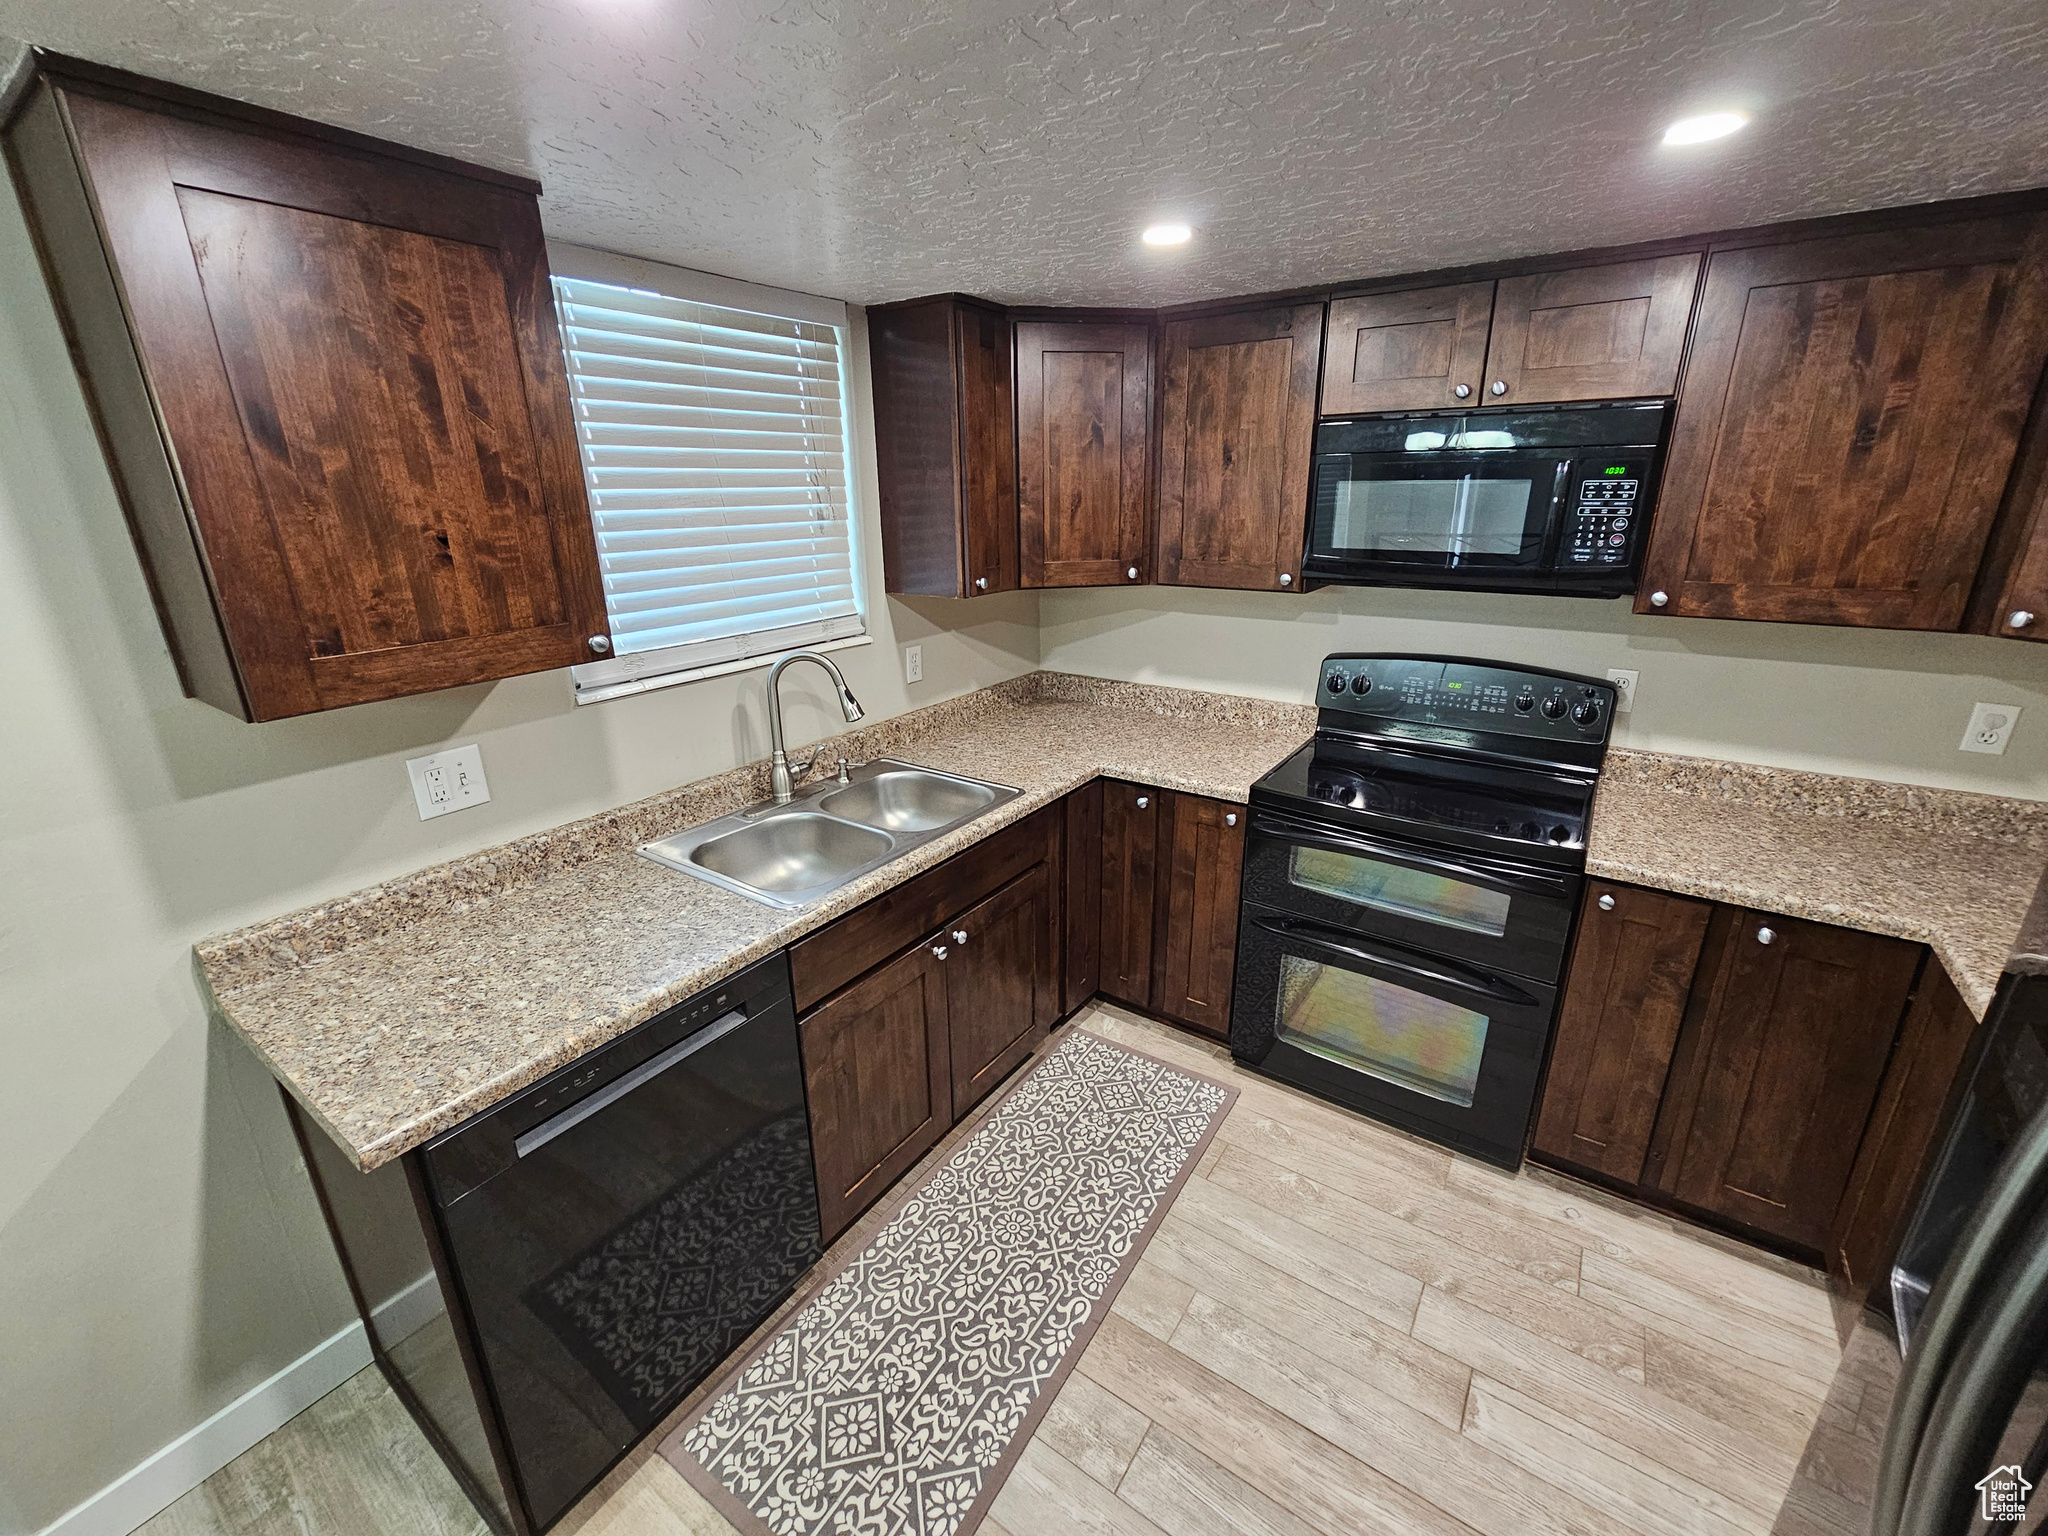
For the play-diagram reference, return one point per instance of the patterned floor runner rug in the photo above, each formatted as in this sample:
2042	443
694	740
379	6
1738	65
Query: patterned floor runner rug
895	1401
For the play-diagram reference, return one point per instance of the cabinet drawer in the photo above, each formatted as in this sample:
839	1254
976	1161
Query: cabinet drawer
858	942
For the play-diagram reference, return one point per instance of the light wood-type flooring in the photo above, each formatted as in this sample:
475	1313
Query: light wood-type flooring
1338	1329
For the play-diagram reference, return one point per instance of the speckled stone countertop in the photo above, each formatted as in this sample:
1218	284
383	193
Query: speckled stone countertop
1954	871
399	1011
396	1012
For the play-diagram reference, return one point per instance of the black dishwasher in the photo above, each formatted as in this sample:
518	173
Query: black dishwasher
617	1229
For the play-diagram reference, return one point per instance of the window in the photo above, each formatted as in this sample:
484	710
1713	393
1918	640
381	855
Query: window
712	419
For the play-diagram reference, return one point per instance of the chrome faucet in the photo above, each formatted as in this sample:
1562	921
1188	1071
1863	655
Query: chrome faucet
780	775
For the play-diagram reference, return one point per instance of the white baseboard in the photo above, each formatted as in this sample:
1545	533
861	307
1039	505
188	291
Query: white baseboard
203	1450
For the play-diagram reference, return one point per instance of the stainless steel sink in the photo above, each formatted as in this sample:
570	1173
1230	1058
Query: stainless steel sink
830	833
791	853
909	800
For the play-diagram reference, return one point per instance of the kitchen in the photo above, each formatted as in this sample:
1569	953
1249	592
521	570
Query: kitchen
179	1303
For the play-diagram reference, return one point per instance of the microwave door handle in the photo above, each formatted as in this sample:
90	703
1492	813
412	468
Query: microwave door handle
533	1140
1337	842
1437	972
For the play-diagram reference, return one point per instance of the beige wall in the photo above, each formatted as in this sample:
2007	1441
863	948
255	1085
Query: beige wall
159	1252
1876	703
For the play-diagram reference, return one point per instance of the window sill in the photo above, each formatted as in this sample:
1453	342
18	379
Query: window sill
715	669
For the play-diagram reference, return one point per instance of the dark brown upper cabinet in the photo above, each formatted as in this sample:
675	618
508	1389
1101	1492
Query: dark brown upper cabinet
1084	403
328	378
1588	333
1592	333
1419	350
945	446
1237	431
1847	425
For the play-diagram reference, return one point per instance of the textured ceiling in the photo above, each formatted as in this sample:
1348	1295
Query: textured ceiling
873	149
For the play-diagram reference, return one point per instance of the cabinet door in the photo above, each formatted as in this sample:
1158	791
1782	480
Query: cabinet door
1084	402
1593	333
355	364
1407	351
945	446
1198	949
878	1074
1847	424
1237	431
1083	880
1898	1148
1617	1025
1793	1038
1130	848
1002	983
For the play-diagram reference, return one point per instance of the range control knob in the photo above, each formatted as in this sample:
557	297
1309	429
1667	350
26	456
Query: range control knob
1336	682
1361	684
1586	711
1553	707
1525	702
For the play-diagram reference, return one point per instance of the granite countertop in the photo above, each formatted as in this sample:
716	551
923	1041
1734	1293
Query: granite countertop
396	1012
1954	871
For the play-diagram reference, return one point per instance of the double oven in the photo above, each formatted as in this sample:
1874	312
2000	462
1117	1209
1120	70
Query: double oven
1410	882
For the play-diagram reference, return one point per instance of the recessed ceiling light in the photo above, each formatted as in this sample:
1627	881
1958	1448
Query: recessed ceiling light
1167	234
1708	125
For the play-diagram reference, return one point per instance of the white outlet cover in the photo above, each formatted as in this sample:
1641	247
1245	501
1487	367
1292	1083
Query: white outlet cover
1990	728
913	663
1624	688
448	781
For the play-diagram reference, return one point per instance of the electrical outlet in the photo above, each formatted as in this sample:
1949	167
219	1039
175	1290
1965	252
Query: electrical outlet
913	663
1624	688
1991	728
448	781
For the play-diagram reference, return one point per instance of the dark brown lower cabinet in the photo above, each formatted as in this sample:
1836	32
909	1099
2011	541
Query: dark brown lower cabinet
1170	869
1618	1025
1781	1077
1002	983
878	1074
1130	857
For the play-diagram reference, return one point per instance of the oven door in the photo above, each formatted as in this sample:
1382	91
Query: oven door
1498	915
1410	514
1447	1051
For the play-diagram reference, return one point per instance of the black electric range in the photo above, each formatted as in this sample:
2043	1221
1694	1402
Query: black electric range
1410	881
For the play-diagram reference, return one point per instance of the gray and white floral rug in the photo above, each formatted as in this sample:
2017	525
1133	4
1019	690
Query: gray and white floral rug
895	1400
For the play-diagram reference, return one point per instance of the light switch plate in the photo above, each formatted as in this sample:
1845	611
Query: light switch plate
448	781
1624	688
1991	728
913	663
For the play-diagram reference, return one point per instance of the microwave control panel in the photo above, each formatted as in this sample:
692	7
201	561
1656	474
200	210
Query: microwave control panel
1605	520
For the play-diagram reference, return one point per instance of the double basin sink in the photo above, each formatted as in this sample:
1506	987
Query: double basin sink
791	855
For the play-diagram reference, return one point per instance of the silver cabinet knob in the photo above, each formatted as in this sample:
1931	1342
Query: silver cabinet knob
1132	573
1606	903
1143	801
1230	818
981	583
939	950
1461	390
2020	618
959	935
1500	386
602	644
1286	580
1766	935
1659	599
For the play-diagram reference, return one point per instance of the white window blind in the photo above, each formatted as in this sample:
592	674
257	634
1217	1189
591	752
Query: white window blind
714	447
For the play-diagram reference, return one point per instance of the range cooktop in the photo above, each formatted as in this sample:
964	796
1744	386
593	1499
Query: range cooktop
1474	754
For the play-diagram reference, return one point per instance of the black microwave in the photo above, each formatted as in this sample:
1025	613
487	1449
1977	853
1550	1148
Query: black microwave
1552	499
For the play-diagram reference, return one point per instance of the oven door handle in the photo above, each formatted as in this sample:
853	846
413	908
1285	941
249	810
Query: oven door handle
1433	968
1288	831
